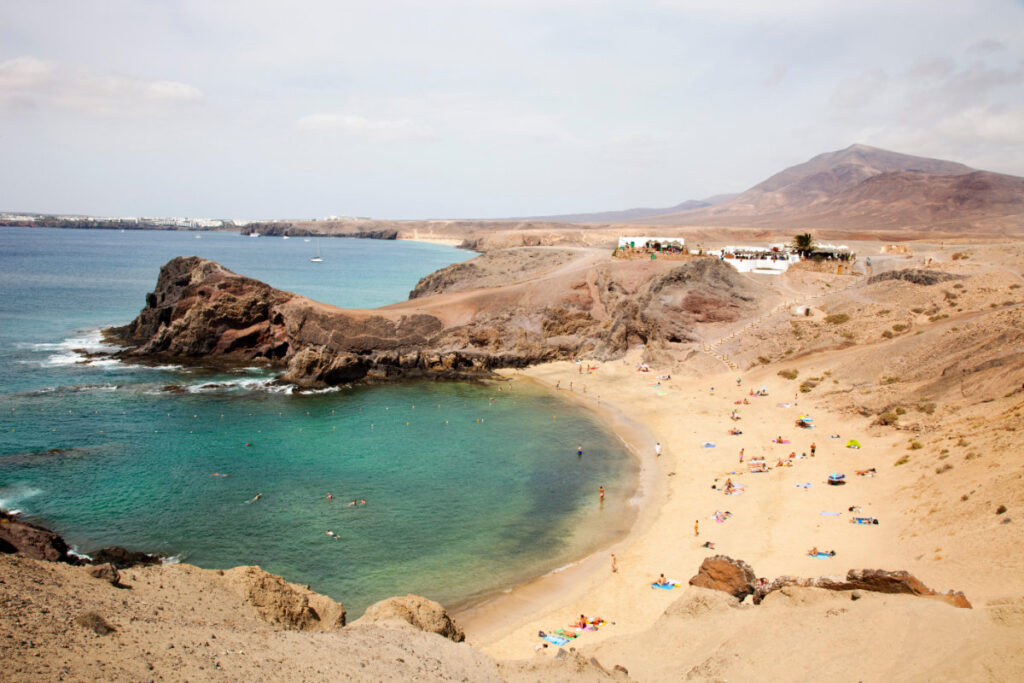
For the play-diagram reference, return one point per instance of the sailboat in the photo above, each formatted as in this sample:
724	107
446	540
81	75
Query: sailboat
317	259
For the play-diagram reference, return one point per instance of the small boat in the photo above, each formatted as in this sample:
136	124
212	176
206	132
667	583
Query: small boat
285	237
317	259
254	234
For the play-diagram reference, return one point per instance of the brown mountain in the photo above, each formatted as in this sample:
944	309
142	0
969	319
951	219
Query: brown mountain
865	188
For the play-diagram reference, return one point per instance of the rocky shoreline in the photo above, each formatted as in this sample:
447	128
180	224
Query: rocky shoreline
455	327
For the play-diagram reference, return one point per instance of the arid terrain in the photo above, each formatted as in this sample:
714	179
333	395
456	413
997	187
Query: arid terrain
917	356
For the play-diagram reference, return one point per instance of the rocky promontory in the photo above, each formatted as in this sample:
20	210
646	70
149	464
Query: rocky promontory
506	309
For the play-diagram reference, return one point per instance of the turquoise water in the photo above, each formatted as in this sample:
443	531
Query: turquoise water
468	488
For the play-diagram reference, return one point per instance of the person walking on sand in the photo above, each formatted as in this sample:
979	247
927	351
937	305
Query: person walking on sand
657	449
696	527
579	451
813	448
600	491
614	566
741	455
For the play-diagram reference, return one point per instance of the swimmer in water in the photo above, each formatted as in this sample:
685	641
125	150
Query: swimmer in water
329	496
362	501
353	503
333	535
256	497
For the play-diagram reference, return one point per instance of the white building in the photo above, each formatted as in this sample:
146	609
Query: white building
758	260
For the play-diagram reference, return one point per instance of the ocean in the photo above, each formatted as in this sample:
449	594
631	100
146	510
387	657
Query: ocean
470	487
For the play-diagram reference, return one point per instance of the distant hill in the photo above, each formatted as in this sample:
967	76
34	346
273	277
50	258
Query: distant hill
866	188
632	215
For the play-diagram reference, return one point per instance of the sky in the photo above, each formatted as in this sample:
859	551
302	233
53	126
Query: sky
482	108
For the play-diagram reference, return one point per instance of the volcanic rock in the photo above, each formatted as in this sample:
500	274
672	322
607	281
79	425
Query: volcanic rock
121	558
30	540
723	573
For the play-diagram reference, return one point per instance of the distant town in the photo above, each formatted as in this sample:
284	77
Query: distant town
41	220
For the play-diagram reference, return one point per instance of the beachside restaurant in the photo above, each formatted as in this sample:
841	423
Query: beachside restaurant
644	246
773	260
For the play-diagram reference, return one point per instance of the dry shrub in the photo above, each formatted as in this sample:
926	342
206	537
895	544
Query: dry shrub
837	318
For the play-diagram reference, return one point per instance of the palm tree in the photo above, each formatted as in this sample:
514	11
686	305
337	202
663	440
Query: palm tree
804	244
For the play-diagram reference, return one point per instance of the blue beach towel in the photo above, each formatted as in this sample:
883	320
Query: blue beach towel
667	586
708	444
556	640
823	555
830	514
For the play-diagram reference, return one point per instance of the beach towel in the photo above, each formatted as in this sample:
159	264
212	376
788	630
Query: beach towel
783	441
863	520
708	444
822	555
830	514
556	640
736	491
667	586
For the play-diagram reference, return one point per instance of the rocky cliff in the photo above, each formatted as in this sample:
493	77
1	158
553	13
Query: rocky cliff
572	303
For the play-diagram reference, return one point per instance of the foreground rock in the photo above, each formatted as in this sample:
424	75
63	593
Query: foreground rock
284	604
418	612
203	313
723	573
122	558
31	540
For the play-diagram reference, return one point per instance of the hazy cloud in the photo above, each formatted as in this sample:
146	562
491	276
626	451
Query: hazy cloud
47	84
381	130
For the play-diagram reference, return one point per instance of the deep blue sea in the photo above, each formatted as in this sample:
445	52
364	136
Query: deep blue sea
468	488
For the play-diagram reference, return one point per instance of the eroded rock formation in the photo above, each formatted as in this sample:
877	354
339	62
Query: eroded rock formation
723	573
204	312
418	612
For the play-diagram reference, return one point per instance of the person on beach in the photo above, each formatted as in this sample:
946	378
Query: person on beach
600	490
657	449
662	581
696	527
739	380
813	448
741	455
579	451
614	566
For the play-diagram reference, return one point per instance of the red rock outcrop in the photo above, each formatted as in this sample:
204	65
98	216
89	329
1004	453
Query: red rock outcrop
723	573
202	312
875	580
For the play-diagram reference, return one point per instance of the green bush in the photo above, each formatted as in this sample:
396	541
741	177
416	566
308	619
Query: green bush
789	374
837	318
902	461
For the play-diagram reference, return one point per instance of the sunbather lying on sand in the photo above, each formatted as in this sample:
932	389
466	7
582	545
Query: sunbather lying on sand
814	552
735	432
866	473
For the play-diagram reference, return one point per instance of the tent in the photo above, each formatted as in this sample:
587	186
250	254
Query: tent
853	443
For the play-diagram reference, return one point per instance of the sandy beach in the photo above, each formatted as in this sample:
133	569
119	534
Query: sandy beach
775	518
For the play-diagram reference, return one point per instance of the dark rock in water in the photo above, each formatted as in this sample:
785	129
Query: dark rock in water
94	623
723	573
31	540
124	559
